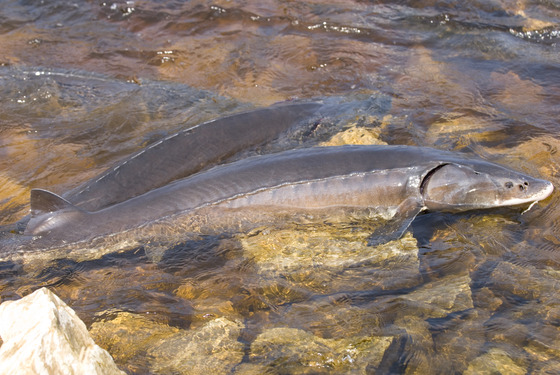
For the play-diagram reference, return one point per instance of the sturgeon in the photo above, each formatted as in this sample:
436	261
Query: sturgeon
400	181
187	152
184	153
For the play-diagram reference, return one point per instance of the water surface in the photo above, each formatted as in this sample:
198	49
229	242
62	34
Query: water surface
84	84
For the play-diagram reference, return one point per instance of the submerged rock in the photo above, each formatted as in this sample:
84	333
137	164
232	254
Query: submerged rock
530	284
42	335
297	351
128	335
325	261
435	331
336	316
457	130
527	321
213	347
495	361
417	345
356	136
439	298
459	339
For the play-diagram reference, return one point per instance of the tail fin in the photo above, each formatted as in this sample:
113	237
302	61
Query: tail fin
48	211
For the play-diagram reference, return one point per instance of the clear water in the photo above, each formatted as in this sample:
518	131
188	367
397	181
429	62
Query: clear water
83	85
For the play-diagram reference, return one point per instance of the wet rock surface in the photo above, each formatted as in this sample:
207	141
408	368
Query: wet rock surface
297	351
213	347
41	334
495	361
311	258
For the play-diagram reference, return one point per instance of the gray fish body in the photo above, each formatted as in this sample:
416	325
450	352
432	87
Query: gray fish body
400	180
187	152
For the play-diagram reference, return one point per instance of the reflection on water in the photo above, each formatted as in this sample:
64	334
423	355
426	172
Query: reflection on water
83	85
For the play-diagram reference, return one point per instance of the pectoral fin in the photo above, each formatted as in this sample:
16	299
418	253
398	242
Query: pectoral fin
394	228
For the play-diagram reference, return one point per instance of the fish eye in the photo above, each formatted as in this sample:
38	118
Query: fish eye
509	184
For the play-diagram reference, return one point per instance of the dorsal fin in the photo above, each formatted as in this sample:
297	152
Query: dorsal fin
43	202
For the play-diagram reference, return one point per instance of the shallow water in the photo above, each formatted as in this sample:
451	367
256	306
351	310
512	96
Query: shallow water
83	85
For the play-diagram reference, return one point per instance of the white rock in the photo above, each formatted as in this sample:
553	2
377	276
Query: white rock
42	335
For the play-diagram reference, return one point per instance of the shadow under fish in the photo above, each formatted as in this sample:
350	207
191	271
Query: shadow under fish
387	184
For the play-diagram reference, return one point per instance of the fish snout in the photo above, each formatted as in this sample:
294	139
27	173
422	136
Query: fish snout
525	190
545	190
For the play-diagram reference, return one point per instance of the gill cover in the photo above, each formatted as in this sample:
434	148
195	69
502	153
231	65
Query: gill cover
49	211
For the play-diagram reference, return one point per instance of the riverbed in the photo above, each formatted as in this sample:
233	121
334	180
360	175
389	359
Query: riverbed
83	85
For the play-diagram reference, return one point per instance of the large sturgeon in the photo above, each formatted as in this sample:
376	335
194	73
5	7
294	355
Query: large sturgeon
397	181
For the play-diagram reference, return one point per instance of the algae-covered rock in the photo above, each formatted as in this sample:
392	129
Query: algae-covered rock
527	282
409	318
438	298
345	313
458	130
42	335
495	361
212	347
299	352
468	241
327	263
127	335
356	136
546	367
226	295
436	346
335	316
